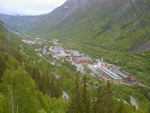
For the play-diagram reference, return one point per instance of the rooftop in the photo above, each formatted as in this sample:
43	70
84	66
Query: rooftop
81	58
110	73
121	74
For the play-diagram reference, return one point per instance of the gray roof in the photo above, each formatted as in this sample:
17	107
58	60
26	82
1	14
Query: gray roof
123	75
110	73
81	58
123	71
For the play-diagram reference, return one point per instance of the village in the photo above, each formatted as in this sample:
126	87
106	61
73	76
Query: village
99	68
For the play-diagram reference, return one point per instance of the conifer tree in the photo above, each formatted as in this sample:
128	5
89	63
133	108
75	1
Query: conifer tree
85	99
149	108
108	99
121	108
75	106
98	106
104	102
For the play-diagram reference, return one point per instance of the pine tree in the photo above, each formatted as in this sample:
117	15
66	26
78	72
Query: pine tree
108	100
121	108
99	104
85	99
149	108
75	106
104	102
21	91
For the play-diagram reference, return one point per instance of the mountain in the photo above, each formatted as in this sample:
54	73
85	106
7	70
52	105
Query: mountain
111	24
116	30
28	84
26	23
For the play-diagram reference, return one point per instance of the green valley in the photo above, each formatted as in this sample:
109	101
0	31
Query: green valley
86	56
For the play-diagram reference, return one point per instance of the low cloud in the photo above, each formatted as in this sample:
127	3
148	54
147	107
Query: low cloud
29	7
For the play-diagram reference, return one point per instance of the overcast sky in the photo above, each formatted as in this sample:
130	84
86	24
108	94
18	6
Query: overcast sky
29	7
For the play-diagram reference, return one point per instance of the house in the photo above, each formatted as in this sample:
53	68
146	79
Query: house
82	60
55	42
29	42
72	52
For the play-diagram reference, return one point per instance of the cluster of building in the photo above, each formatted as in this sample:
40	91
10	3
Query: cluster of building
100	68
30	42
106	71
74	56
35	41
58	51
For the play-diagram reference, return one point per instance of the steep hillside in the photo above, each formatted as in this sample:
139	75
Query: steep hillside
27	84
23	88
117	24
109	29
27	24
20	23
97	28
111	24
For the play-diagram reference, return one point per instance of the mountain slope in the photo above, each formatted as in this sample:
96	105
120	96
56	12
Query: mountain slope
28	23
27	85
109	24
106	29
22	87
20	23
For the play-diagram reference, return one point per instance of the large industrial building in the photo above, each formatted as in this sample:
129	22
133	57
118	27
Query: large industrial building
127	77
111	76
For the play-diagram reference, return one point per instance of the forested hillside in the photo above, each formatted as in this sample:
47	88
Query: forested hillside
118	25
110	24
26	24
22	87
116	30
27	85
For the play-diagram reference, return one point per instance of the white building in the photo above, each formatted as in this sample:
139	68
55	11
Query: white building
28	42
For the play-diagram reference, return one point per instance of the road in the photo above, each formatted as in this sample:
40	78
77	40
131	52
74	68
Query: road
44	50
133	102
65	95
142	85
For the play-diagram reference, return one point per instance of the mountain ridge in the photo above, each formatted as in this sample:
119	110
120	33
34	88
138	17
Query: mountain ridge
97	18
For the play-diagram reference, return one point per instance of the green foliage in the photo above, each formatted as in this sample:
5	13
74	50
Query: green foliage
121	108
27	85
23	87
17	83
104	102
75	105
